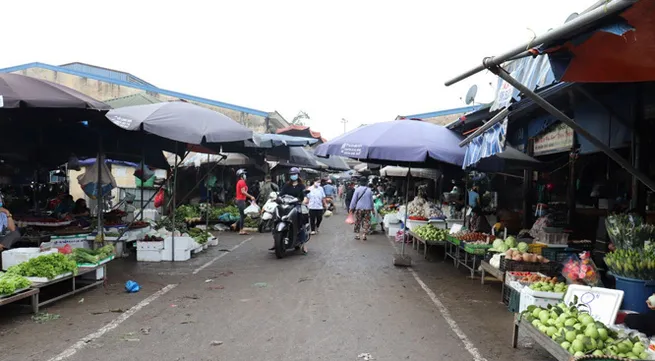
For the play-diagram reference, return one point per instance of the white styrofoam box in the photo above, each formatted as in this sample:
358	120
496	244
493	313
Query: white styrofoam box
75	241
392	230
150	245
96	275
213	241
149	255
412	224
439	223
390	219
181	255
511	276
16	256
181	243
538	298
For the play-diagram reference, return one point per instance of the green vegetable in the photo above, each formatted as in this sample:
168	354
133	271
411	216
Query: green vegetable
510	242
48	266
628	231
199	235
9	283
428	232
81	256
522	246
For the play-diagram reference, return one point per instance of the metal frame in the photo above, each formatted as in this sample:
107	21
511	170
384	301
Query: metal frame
599	12
73	279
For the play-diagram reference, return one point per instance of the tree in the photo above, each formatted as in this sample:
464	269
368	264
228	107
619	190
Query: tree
299	119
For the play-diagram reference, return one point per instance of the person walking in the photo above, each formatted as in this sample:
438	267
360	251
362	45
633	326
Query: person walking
241	197
316	202
266	189
362	205
350	190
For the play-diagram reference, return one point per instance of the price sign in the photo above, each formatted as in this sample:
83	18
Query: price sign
601	303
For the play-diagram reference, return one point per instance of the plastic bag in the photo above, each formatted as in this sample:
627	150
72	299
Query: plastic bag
132	287
159	199
581	270
89	179
350	219
252	210
146	174
327	214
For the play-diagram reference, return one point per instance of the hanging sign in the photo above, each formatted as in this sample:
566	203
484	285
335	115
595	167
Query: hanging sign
559	139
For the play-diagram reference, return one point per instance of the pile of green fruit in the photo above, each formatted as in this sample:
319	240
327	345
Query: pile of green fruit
578	333
428	232
9	283
639	264
558	287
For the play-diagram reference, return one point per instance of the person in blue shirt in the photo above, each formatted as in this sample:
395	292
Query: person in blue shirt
474	197
362	205
330	190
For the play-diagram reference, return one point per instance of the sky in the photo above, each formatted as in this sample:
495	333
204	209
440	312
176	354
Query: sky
363	61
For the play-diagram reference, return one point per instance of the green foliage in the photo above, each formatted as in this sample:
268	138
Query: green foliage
48	266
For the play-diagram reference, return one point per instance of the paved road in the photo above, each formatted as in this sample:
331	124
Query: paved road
342	299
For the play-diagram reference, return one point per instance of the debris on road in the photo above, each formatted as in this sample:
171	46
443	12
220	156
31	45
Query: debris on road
260	284
365	356
43	317
129	337
219	287
132	287
216	343
145	330
114	310
209	280
226	273
303	279
81	300
193	297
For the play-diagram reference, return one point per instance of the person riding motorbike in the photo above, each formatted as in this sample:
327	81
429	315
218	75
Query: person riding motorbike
295	188
330	193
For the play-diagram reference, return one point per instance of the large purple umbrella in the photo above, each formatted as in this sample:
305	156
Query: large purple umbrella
399	142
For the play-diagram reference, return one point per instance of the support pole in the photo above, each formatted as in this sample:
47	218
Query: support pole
174	193
208	200
497	118
406	230
575	126
99	198
143	166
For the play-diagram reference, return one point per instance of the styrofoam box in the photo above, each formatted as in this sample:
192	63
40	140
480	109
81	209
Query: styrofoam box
392	230
181	255
213	241
538	298
16	256
413	224
149	255
96	275
181	243
150	246
509	276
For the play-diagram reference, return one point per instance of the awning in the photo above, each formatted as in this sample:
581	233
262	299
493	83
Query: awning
486	145
391	171
334	163
617	49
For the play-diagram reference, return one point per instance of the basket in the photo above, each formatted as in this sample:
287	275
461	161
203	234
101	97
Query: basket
476	250
453	240
549	269
514	300
558	255
535	248
551	238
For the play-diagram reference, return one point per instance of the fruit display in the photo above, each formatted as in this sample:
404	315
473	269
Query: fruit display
48	266
639	264
152	238
516	255
578	333
10	283
628	231
582	270
531	277
549	286
139	224
474	237
429	232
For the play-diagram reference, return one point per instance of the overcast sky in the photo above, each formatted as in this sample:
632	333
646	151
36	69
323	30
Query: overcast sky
365	61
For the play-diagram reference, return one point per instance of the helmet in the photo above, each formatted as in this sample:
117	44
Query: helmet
294	170
272	195
241	172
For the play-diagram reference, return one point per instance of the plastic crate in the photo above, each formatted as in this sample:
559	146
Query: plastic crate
582	246
514	301
558	255
550	238
535	248
549	269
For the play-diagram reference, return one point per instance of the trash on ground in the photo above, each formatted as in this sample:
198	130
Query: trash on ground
145	330
81	300
43	317
209	280
365	356
130	337
226	273
132	287
260	284
219	287
216	343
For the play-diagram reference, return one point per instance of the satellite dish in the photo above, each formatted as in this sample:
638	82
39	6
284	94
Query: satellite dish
571	17
470	95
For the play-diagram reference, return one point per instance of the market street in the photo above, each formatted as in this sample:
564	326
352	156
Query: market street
343	299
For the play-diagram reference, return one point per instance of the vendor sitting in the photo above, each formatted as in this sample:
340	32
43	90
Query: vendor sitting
65	207
80	209
8	233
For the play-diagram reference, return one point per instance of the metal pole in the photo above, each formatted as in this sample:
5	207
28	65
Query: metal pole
99	198
143	165
575	126
344	121
208	202
564	31
174	192
497	118
405	234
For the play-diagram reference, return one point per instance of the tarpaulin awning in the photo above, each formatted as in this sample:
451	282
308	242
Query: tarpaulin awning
618	49
488	144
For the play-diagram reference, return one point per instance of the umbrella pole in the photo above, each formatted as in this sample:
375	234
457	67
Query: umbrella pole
143	162
402	260
208	202
174	205
99	198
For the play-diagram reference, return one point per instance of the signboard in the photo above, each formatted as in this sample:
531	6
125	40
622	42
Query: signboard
559	139
602	304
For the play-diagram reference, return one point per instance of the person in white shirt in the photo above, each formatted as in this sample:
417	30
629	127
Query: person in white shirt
316	204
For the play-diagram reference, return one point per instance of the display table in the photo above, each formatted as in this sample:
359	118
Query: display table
452	251
131	235
30	292
539	338
470	260
486	268
84	279
417	241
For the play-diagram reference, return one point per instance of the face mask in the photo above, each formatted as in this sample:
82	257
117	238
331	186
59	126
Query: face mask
293	177
244	177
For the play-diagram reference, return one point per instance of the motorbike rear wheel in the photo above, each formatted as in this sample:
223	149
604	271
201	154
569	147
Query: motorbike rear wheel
280	247
263	226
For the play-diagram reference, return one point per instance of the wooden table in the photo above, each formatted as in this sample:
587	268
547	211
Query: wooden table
33	293
495	272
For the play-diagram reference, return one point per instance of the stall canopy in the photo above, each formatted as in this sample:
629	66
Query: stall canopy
618	48
335	163
392	171
301	157
301	131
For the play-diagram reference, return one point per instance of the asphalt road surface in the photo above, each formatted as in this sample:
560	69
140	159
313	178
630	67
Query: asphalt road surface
238	302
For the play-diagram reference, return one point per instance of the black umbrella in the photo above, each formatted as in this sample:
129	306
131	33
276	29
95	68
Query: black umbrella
19	91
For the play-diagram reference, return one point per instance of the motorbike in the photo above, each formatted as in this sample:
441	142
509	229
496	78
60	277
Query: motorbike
268	213
330	205
291	220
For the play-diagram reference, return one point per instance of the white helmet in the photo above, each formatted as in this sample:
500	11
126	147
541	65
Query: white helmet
241	172
272	195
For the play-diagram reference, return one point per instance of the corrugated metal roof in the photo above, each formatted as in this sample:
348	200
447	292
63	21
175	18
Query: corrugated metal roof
439	113
131	100
147	88
105	72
